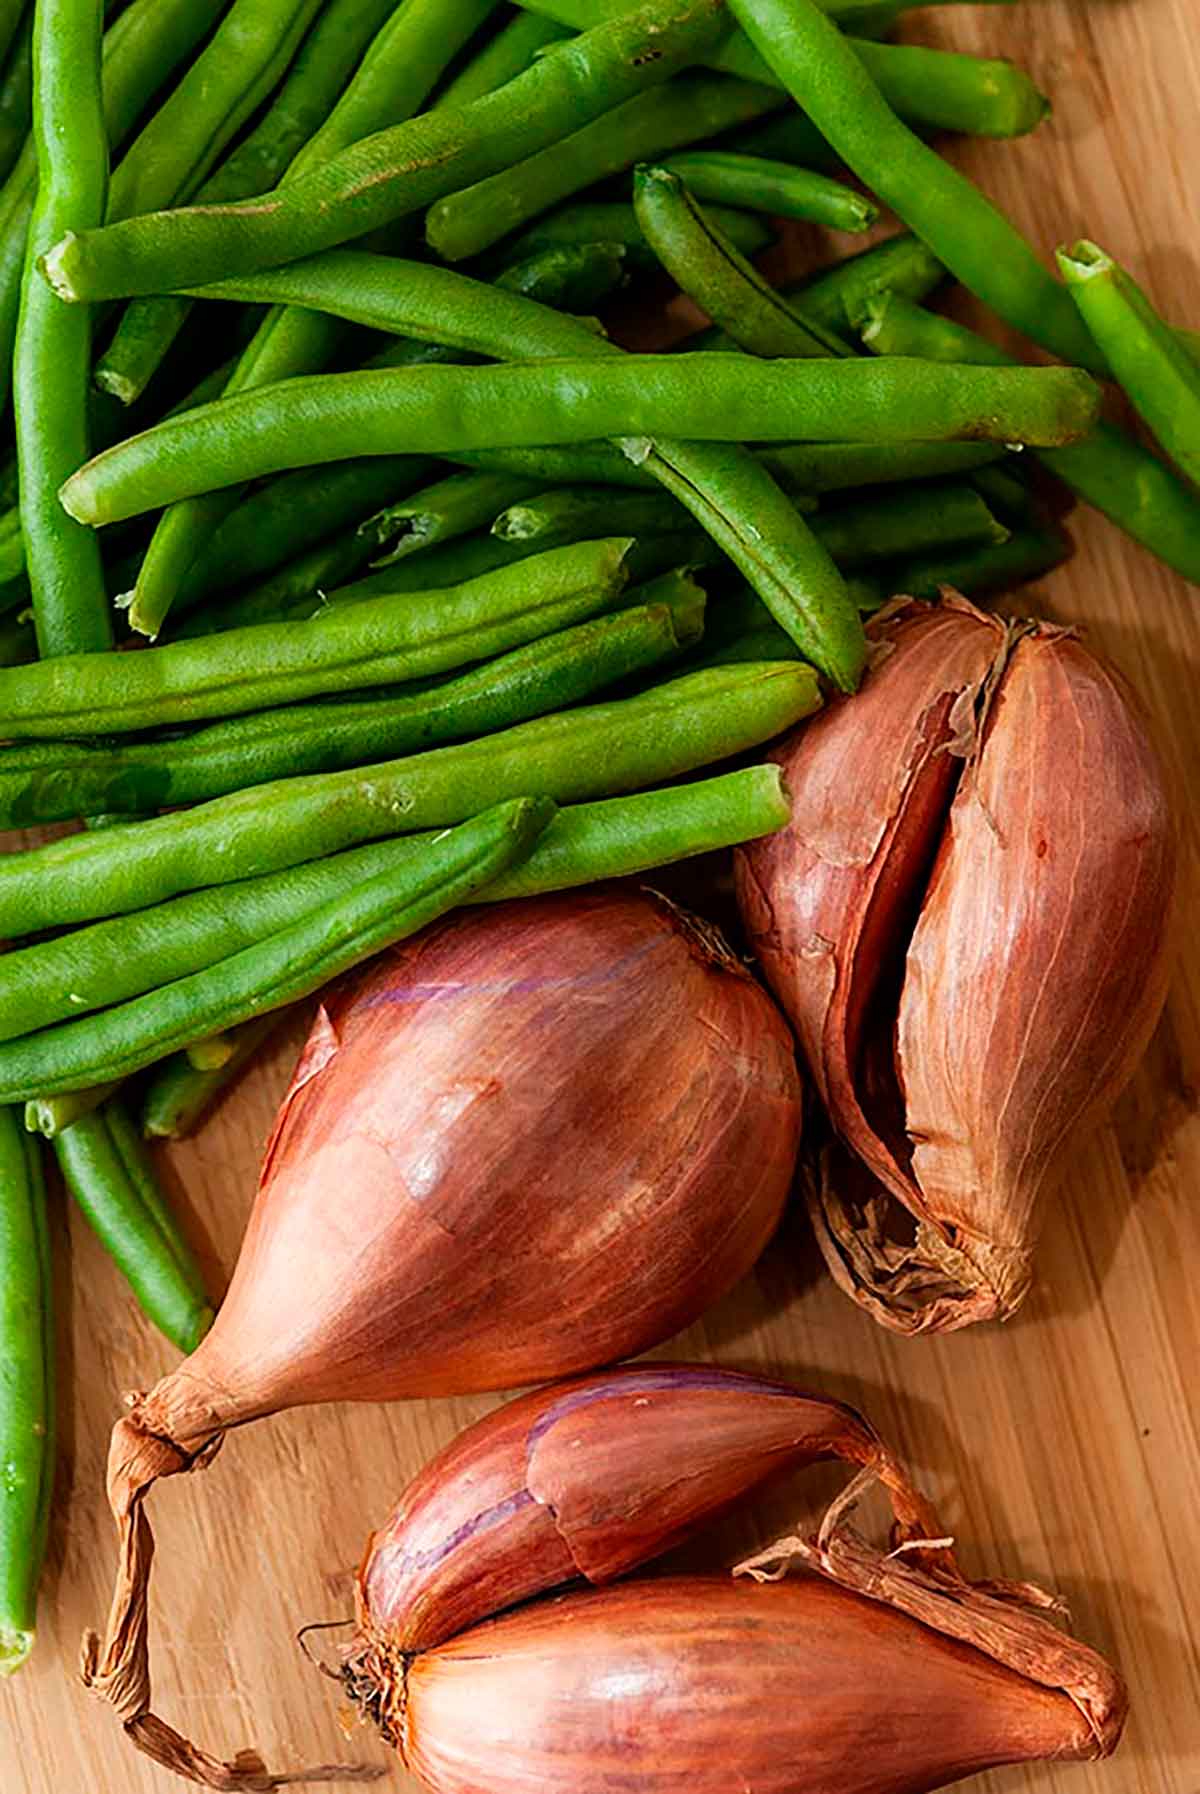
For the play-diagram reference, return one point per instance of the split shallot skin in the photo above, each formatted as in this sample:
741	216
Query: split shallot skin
530	1140
973	952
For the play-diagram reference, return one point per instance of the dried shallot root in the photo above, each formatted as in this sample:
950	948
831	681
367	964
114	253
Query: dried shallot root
873	1674
968	921
524	1143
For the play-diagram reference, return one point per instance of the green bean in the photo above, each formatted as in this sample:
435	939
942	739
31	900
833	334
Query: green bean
141	51
16	91
323	65
508	54
1109	469
563	668
584	510
53	1115
412	892
835	466
110	1191
905	521
299	587
53	346
1157	373
293	514
759	185
710	397
707	267
831	298
394	172
581	464
970	235
451	507
211	1053
179	1097
234	73
27	1392
608	222
595	751
686	110
975	571
934	88
375	644
574	277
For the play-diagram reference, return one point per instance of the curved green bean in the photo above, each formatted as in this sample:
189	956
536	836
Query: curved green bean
574	277
53	355
564	668
323	65
179	1096
758	185
1108	468
394	172
969	234
599	750
1157	373
27	1388
413	892
342	650
110	1190
710	397
689	109
708	268
614	222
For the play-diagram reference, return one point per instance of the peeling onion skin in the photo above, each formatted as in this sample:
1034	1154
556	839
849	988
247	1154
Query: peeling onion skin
589	1479
654	1687
1011	842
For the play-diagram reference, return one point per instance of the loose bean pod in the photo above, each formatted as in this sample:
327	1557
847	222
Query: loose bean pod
599	750
178	1096
110	1189
609	839
963	228
52	364
343	650
27	1429
708	268
419	888
711	397
395	172
687	110
1159	375
759	185
1109	468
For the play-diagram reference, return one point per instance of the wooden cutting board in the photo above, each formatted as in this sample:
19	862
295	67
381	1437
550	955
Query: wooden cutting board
1062	1448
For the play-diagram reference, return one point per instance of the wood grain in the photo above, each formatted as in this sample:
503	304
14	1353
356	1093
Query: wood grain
1063	1448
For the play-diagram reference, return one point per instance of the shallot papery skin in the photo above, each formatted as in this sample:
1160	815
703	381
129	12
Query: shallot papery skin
662	1686
588	1479
529	1141
969	923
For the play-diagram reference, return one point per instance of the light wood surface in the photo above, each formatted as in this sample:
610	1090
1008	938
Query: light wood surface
1063	1448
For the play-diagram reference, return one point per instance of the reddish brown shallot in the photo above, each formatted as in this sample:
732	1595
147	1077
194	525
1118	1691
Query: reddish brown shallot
968	922
872	1674
528	1141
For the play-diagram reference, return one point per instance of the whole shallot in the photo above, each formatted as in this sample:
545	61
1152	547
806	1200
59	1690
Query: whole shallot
968	922
871	1675
528	1141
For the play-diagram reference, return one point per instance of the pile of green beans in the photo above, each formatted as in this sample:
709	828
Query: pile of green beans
459	597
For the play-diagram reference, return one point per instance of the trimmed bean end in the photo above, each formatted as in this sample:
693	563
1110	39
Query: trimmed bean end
55	267
15	1649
